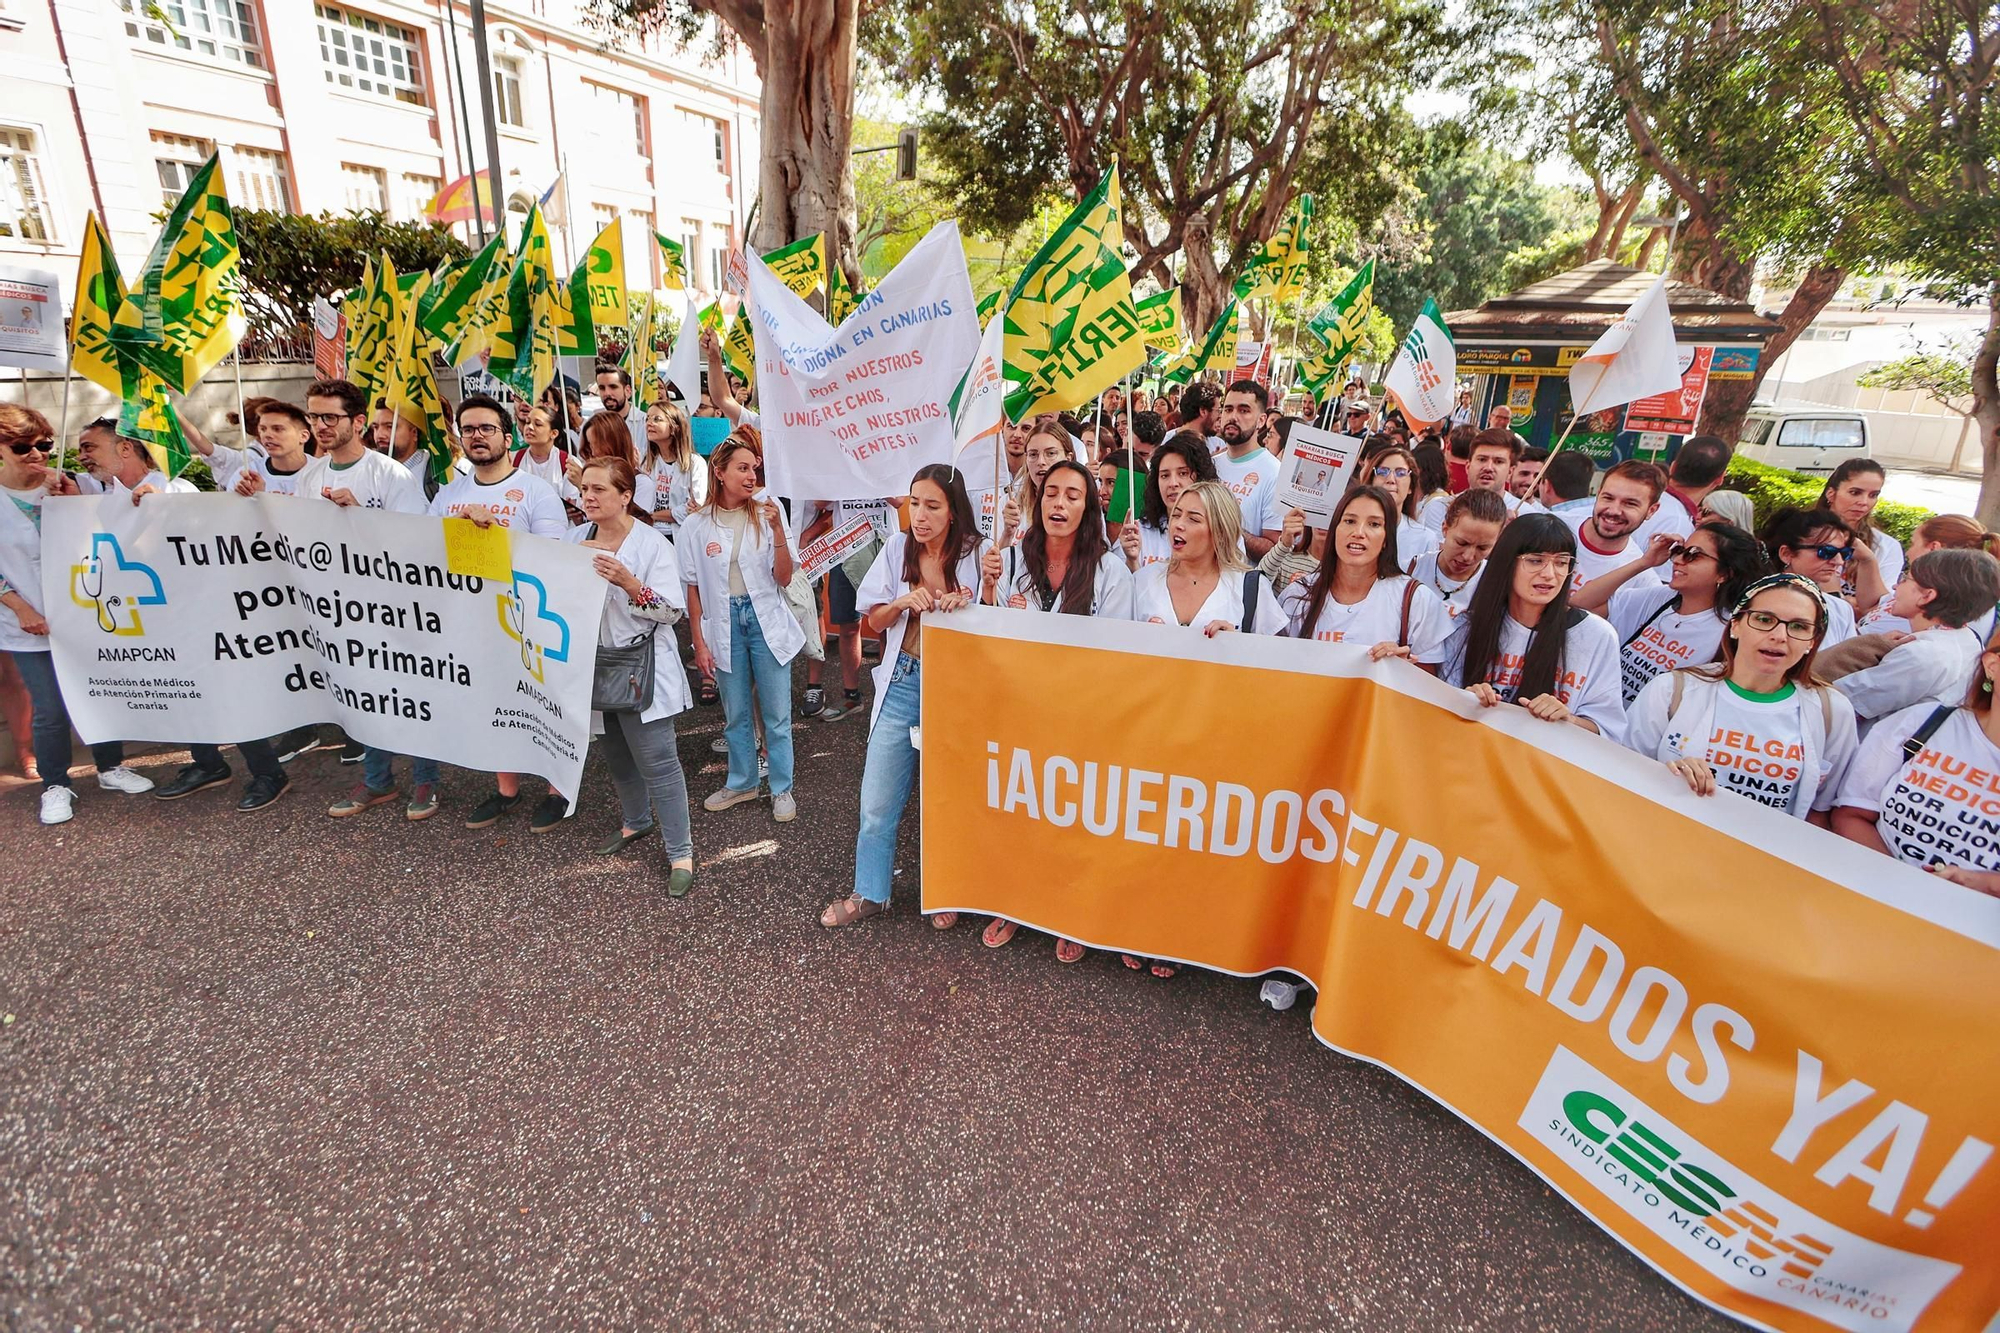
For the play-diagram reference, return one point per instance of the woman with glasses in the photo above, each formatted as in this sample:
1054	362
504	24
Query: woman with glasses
27	480
1758	722
1522	642
1940	595
1815	544
1852	493
1664	626
1394	470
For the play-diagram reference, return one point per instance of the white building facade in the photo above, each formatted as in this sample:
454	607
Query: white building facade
322	107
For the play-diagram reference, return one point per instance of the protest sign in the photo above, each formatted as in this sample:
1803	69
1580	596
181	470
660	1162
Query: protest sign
220	618
1759	1058
31	319
1675	411
851	413
1314	472
828	551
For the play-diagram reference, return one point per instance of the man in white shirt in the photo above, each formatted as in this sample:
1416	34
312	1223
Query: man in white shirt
345	470
1246	467
1604	540
277	458
1491	462
123	464
614	390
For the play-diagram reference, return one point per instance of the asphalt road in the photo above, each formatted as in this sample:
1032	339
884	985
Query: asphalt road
276	1071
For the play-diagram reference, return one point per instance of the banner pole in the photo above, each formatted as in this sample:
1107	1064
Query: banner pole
62	430
244	429
1557	447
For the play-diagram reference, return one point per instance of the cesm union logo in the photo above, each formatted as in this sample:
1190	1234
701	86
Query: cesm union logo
114	587
525	615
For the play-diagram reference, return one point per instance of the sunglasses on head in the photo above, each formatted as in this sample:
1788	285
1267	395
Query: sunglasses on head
26	447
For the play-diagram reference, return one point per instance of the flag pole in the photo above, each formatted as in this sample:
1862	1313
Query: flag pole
62	430
244	429
1131	460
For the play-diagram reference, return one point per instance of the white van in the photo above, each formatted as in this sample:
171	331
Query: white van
1802	436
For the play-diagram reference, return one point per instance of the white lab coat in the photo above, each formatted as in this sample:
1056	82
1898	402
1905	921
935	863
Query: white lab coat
1828	751
884	584
1111	594
650	557
703	549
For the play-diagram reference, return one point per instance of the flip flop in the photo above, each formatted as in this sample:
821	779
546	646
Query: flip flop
998	932
1063	954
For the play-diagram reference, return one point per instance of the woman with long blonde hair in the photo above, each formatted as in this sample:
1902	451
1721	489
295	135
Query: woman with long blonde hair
679	474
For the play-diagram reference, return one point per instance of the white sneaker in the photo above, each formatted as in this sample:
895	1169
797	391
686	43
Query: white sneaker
724	797
124	779
720	745
58	805
783	808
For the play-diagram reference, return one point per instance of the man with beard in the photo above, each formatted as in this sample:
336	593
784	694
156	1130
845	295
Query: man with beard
614	390
1628	497
1246	467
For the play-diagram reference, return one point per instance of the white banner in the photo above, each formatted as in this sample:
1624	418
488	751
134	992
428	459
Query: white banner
852	413
981	428
220	618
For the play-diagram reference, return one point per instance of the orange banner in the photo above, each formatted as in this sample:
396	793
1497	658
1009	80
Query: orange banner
1767	1060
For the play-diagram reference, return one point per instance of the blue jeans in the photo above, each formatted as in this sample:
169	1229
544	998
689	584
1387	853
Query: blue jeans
378	772
751	663
886	778
51	725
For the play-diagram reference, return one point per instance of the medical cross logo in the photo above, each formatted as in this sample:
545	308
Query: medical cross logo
114	587
543	635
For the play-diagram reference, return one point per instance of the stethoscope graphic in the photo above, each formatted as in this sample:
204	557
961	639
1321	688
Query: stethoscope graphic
90	582
517	620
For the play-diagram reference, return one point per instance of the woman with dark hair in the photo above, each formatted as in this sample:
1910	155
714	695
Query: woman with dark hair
1062	563
1433	474
1472	524
1757	722
1181	460
1940	595
1394	470
1817	545
1852	493
1891	801
1049	443
1663	626
934	568
1360	595
1939	532
1522	641
607	436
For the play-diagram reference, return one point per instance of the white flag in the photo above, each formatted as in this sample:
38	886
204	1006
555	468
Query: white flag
981	427
1424	378
684	367
851	413
1633	359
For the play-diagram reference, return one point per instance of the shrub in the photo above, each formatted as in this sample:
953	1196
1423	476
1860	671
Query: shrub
1772	488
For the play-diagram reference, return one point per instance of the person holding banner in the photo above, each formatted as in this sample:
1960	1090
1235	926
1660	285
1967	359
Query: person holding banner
1178	463
736	558
1922	787
1758	722
643	595
934	568
1207	584
1817	545
1361	595
26	442
345	470
1472	525
679	474
1679	623
1523	642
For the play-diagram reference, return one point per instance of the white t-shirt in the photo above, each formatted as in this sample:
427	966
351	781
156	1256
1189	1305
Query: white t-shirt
228	465
1790	752
1756	746
1671	518
377	481
1935	667
1586	674
1431	513
550	470
1669	639
157	480
418	465
1839	622
1414	541
21	566
1592	562
1151	601
1457	597
682	488
1110	595
1940	808
1882	621
1376	618
1251	479
517	501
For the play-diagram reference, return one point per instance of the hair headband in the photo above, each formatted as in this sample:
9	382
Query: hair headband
1785	580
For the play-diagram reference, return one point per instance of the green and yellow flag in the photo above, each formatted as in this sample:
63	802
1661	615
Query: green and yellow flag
150	419
410	386
100	293
1160	320
1278	270
372	320
673	264
1342	322
841	300
526	348
577	331
987	305
458	297
739	349
186	312
1071	331
1217	352
606	278
710	316
801	265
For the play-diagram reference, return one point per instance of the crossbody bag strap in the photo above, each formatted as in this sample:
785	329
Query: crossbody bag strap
1403	632
1922	735
1250	590
1671	604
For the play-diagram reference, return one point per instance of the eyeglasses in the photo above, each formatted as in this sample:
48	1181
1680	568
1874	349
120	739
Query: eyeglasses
1542	560
1830	552
26	447
1393	473
1682	552
484	431
1765	621
325	418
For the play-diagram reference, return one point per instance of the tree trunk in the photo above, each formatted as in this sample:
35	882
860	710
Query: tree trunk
1635	193
806	183
1986	410
1203	291
1646	251
1728	400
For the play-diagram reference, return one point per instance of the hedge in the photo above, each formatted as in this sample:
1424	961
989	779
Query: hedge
1772	488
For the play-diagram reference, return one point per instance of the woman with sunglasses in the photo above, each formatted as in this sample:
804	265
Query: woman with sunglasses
1758	722
1522	642
1665	626
1941	594
1817	545
1852	493
1893	800
27	479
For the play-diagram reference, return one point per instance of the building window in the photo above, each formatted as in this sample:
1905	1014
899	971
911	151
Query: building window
640	250
718	261
615	115
218	29
24	205
366	189
261	181
691	250
177	159
708	133
414	194
507	91
369	56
